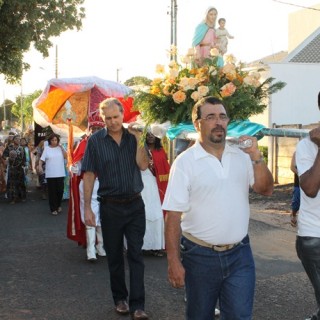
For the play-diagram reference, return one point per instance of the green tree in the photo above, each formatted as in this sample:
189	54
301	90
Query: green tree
138	80
22	109
5	111
26	22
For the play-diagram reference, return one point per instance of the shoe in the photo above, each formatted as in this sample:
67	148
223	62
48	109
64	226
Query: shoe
54	213
59	210
139	314
157	253
122	307
216	312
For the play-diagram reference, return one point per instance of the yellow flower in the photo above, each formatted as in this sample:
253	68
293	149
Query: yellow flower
173	65
160	68
156	81
166	89
155	90
173	73
230	58
172	96
203	90
228	90
214	52
179	97
195	96
252	80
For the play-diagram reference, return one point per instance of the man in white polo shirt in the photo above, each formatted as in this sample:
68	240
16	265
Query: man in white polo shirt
207	200
308	237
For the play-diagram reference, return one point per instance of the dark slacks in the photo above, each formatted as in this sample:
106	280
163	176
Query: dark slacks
308	251
55	192
129	221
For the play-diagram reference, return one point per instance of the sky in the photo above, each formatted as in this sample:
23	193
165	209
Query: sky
125	38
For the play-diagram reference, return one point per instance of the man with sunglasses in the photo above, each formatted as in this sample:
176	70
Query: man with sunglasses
207	201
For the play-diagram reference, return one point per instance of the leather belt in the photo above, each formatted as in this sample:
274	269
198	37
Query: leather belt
122	200
219	248
205	45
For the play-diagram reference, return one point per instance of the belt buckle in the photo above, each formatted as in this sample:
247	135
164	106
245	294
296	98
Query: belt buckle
223	247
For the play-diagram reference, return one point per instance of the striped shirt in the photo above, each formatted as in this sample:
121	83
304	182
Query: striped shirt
115	165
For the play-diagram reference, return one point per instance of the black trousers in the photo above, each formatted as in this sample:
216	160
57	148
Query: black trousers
129	221
55	192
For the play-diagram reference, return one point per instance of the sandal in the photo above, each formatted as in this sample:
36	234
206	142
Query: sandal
293	221
157	253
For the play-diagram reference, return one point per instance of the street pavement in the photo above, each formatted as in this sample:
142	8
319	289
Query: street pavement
45	276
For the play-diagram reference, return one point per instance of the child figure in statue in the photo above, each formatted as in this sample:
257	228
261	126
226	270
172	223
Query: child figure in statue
222	36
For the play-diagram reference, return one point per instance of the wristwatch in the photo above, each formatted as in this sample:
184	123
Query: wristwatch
258	161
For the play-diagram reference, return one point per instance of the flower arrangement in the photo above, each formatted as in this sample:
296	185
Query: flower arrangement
172	96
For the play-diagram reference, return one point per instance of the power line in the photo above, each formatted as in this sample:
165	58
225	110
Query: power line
296	5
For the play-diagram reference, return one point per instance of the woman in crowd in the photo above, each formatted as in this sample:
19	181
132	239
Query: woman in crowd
16	160
3	169
155	180
54	157
24	145
42	181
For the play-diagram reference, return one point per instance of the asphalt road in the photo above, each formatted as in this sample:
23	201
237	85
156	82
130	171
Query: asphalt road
45	276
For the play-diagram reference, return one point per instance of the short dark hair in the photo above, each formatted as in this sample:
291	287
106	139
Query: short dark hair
221	19
196	110
53	135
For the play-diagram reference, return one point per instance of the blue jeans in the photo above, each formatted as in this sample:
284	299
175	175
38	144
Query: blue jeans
295	202
308	251
210	275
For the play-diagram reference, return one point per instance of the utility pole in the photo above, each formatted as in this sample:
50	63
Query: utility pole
174	10
21	106
118	70
4	108
56	68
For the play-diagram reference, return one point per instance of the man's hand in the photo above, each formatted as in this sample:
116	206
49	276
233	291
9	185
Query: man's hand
176	274
253	151
89	218
135	131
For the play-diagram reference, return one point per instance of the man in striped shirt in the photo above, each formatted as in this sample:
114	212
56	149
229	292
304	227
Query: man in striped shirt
116	156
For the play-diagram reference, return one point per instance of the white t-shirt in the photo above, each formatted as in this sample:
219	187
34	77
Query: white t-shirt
309	212
54	162
212	195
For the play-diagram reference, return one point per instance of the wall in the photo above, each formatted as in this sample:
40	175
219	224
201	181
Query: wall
301	24
297	102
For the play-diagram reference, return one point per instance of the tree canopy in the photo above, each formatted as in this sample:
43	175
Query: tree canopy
22	108
27	22
138	80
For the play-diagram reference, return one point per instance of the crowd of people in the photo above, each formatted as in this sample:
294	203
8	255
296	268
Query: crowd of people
15	164
125	199
124	194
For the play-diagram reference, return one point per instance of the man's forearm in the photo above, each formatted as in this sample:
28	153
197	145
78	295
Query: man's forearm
142	157
88	183
310	180
173	235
